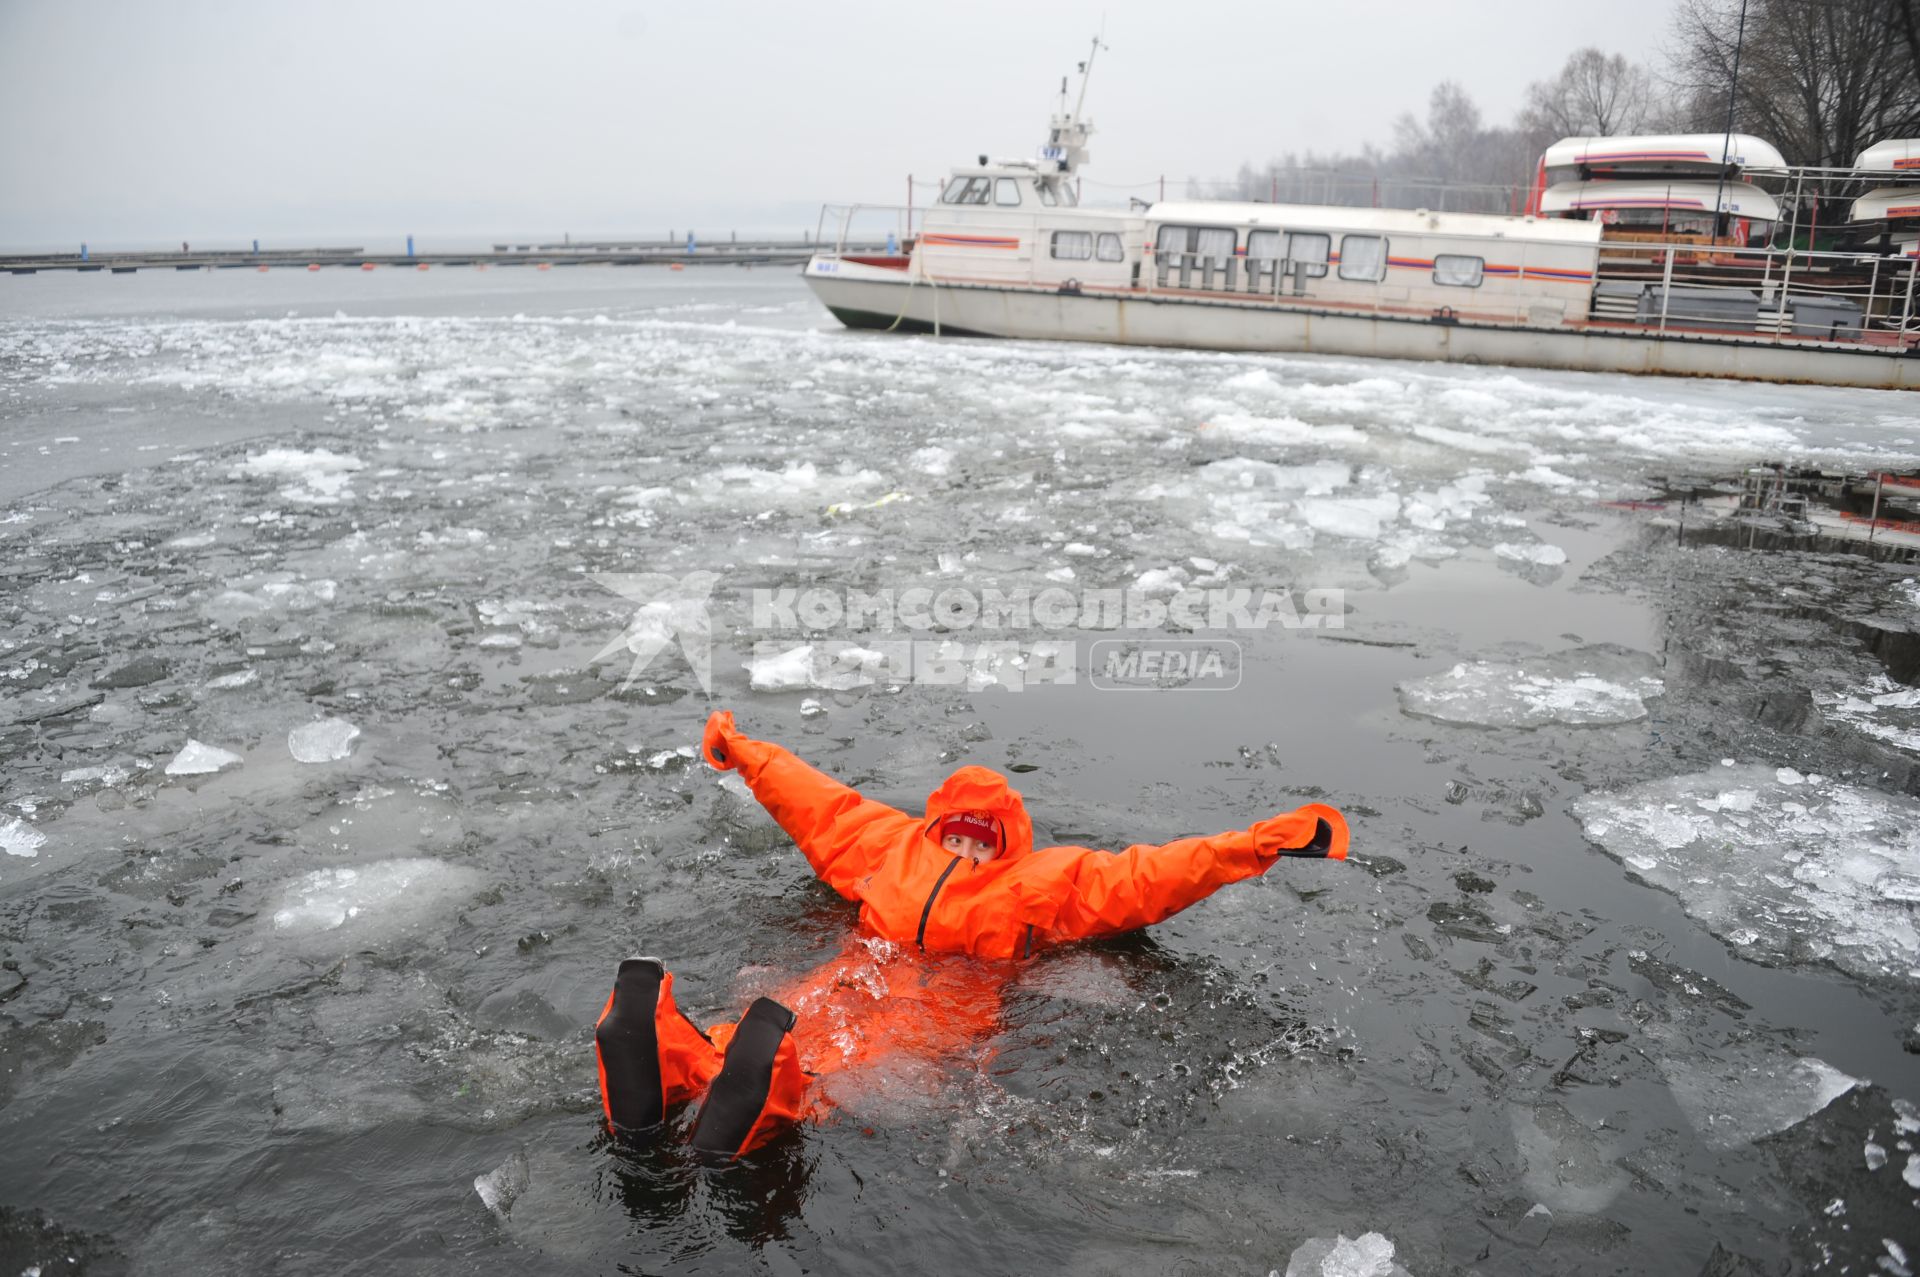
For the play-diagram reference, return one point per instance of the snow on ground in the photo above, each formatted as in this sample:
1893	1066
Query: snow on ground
1781	866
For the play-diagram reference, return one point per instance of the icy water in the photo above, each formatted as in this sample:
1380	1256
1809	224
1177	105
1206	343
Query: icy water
332	795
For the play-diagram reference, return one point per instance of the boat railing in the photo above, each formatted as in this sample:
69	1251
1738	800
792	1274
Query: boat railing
1770	293
1775	292
861	228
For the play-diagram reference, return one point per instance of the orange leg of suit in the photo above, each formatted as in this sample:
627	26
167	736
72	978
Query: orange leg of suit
866	1004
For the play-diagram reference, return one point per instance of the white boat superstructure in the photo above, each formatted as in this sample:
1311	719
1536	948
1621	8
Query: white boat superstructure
1009	251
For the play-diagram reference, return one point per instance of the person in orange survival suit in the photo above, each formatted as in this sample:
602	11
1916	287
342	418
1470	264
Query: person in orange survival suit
963	878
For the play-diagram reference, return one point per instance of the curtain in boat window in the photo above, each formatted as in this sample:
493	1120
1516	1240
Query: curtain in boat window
1457	271
1215	241
1110	248
1073	246
1363	257
1309	249
1006	191
1263	243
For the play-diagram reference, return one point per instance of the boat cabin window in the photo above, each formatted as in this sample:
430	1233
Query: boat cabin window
1200	241
1073	246
1047	196
967	190
1457	271
1308	252
1363	257
1006	191
1110	249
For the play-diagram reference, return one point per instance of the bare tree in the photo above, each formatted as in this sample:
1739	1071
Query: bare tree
1821	79
1593	96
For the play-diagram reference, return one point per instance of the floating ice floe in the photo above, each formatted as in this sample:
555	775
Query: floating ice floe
325	741
500	1187
1369	1255
783	671
18	838
319	477
105	776
392	893
1534	554
1587	686
199	759
1782	867
1885	710
1744	1091
1567	1165
230	607
239	678
521	614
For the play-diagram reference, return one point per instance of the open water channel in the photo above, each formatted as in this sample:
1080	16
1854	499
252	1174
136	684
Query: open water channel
333	786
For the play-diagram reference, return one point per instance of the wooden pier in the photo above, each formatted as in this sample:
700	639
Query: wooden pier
527	254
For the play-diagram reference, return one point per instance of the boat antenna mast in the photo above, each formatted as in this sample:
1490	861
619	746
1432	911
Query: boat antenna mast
1068	131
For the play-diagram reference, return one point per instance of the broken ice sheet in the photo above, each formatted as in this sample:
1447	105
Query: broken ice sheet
1585	686
18	838
1782	867
1745	1090
198	759
502	1185
326	741
1369	1255
1885	710
385	896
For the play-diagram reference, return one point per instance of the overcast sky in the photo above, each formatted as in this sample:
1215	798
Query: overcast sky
217	120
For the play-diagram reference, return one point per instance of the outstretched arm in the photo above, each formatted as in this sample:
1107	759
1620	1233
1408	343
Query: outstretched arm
843	836
1104	893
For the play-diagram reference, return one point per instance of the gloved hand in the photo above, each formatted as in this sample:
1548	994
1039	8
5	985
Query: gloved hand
717	743
1320	845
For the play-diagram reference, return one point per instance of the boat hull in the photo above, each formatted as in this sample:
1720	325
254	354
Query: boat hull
899	303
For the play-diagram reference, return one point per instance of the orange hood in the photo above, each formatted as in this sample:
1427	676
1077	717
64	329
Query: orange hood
980	789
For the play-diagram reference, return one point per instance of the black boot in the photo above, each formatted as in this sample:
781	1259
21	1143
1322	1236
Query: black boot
758	1092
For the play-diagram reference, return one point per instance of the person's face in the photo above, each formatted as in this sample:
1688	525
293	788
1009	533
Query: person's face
972	848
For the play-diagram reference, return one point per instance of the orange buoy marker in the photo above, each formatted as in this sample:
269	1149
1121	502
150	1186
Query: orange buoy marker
421	266
545	266
366	265
313	265
676	266
263	270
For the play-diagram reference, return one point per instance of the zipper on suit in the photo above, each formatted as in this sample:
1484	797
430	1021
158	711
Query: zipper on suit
926	910
1028	952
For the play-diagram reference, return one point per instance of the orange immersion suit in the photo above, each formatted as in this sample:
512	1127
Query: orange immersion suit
915	898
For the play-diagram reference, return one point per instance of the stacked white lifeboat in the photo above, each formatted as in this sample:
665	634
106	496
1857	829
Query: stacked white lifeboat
1662	187
1895	164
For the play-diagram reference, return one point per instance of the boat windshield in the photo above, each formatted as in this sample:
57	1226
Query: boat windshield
967	190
